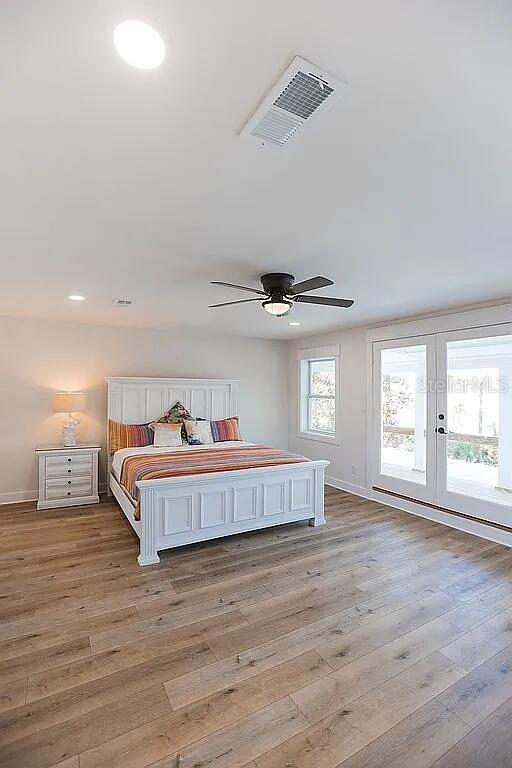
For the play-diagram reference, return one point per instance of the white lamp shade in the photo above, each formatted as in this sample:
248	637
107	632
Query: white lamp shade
69	402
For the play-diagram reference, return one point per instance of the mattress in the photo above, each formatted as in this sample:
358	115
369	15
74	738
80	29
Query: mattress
148	463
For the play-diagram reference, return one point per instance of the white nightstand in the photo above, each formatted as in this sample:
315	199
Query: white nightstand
67	476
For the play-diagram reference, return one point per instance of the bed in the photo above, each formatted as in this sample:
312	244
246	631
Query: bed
209	501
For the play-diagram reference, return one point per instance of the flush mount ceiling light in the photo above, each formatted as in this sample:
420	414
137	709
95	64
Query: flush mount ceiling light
76	297
139	44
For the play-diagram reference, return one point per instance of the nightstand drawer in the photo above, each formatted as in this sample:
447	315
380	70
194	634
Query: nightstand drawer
72	464
63	488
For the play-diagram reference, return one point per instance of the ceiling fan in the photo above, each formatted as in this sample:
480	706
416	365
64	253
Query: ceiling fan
280	292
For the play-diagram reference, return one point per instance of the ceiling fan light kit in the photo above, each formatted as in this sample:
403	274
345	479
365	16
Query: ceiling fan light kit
280	291
277	308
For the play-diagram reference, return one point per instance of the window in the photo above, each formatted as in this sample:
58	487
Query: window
322	396
318	393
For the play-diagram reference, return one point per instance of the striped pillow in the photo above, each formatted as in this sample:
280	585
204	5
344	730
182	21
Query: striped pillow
128	435
225	429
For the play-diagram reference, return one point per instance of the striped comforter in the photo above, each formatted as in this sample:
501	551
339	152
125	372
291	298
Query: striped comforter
194	462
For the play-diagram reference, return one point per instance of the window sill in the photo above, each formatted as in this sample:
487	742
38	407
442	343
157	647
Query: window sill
318	437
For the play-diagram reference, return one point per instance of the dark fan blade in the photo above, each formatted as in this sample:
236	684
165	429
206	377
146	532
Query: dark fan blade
324	300
313	284
227	303
240	287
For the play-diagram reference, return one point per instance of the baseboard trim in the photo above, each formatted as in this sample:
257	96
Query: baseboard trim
466	525
341	485
17	497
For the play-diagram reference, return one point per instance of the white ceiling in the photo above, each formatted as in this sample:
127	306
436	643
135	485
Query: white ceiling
120	182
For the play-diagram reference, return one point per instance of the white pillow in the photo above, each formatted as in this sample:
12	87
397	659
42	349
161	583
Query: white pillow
167	435
198	432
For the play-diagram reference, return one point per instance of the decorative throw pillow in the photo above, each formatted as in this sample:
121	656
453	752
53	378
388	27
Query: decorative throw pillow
128	435
176	414
198	432
225	429
167	435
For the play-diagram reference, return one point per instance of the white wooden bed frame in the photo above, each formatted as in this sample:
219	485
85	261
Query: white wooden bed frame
182	510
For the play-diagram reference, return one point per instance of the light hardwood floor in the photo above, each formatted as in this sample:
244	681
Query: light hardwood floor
379	641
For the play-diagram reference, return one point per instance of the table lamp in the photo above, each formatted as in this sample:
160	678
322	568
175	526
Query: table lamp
71	403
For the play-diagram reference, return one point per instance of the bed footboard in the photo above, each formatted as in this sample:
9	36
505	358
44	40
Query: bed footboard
183	510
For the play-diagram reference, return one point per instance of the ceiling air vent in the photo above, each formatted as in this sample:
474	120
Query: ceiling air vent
124	302
302	92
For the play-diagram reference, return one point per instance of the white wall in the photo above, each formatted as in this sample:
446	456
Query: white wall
40	357
348	460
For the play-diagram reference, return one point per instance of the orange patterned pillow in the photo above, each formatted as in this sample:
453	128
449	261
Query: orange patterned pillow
225	429
128	435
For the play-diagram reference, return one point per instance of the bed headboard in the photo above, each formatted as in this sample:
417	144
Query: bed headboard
133	400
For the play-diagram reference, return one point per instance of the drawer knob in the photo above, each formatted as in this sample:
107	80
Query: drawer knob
69	459
69	482
69	470
69	493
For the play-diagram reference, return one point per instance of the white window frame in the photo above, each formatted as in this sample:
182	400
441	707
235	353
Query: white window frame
305	357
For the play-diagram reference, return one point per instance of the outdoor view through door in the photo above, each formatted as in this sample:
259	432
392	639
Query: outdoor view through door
404	412
443	420
479	418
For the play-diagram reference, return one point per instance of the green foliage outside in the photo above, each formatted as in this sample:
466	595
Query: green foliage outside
474	454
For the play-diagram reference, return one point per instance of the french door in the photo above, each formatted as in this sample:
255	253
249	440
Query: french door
443	420
404	417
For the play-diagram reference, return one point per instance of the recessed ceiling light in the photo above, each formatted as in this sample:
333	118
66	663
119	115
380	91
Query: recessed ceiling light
294	323
139	44
76	297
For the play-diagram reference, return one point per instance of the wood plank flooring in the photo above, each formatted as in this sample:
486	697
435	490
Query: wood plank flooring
379	640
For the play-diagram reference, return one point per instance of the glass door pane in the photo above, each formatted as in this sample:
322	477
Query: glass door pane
404	437
404	413
476	458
